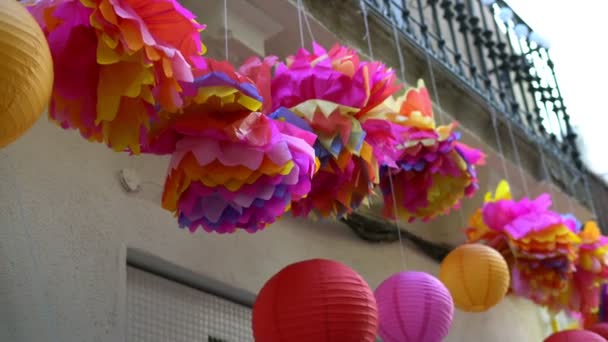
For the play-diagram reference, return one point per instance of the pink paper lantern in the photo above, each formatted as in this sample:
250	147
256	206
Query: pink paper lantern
414	307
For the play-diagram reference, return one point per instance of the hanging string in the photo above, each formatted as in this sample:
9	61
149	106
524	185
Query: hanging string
390	176
394	197
308	26
518	159
463	221
498	141
226	28
398	48
429	65
366	23
300	25
568	197
589	197
547	175
553	190
507	24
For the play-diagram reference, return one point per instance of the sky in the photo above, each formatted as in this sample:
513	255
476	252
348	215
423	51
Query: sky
578	33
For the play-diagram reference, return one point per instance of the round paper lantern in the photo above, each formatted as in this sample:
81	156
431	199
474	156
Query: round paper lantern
476	275
600	329
575	336
316	300
26	71
414	307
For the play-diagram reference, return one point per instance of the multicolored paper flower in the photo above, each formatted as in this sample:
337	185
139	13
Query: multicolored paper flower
331	90
115	61
540	245
232	166
426	167
583	294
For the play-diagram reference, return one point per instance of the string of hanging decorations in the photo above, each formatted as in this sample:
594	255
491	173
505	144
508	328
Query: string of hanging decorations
313	135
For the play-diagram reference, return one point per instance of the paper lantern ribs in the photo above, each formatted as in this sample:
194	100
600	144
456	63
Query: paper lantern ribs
315	300
115	61
425	166
232	166
330	90
414	307
26	71
476	275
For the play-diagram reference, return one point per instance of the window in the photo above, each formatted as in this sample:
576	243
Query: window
161	310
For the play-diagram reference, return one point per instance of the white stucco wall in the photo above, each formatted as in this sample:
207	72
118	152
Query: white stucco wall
65	223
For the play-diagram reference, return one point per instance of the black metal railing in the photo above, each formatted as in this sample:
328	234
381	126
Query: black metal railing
487	45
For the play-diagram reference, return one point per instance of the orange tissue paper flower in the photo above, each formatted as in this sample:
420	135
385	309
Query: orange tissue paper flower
115	61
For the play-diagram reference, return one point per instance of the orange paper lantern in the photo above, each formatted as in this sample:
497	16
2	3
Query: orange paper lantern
315	301
26	71
476	275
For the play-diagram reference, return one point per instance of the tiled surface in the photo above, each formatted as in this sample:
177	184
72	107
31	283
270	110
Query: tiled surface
161	310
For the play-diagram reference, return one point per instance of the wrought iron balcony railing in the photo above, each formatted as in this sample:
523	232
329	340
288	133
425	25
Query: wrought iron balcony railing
492	50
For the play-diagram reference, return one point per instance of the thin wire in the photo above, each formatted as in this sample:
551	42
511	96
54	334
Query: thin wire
366	23
463	222
518	159
399	52
591	203
434	86
308	26
301	26
401	249
568	198
226	28
390	176
547	175
498	141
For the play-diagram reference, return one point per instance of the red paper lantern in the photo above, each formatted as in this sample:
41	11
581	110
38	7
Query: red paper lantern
575	336
600	329
315	301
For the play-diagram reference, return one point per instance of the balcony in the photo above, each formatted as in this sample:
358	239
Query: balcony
491	72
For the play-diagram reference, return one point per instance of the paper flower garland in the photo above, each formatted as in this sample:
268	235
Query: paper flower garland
431	171
330	90
540	245
232	166
583	294
114	61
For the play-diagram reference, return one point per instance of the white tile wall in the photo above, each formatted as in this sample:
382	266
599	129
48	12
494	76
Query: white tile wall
161	310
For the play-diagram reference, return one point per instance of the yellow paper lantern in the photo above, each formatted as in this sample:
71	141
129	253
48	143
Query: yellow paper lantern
26	71
476	275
